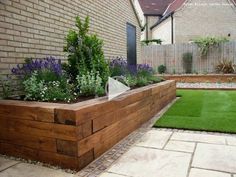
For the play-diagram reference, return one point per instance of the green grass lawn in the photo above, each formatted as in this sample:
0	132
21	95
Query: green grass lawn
206	110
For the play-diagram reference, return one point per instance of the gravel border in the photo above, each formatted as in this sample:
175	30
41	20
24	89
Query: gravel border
215	86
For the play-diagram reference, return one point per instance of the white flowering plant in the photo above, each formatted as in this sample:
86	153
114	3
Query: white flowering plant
41	90
90	84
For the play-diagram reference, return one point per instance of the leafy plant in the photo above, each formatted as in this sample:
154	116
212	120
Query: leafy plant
188	62
147	42
85	52
161	69
142	81
33	87
131	80
205	43
41	90
225	67
6	87
90	84
44	80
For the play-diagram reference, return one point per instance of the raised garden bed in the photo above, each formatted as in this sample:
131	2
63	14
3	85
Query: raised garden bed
73	135
202	78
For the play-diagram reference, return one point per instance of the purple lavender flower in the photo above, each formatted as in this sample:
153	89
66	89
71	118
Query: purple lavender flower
49	63
120	66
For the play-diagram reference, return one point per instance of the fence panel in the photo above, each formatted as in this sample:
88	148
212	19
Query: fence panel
171	56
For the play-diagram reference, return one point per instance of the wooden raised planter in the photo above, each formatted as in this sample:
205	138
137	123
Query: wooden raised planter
201	78
73	135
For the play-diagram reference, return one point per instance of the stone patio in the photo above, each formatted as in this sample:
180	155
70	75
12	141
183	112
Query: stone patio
177	154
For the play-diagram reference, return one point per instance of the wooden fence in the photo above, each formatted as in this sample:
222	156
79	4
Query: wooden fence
171	56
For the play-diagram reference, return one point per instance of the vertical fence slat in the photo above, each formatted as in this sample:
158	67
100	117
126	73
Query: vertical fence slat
171	56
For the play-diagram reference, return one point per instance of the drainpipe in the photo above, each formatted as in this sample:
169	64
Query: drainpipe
172	29
147	29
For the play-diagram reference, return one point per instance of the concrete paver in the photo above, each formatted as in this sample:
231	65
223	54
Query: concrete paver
180	146
202	138
111	175
6	163
148	162
30	170
155	139
215	157
207	173
231	141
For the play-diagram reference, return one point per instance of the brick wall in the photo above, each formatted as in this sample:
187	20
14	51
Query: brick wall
37	28
205	18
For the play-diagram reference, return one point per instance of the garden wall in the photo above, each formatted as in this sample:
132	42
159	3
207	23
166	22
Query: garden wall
171	56
73	135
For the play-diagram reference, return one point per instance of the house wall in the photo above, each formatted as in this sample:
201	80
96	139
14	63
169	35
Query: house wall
205	18
37	28
151	20
163	31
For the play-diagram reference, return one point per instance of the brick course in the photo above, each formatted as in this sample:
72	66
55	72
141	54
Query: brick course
37	28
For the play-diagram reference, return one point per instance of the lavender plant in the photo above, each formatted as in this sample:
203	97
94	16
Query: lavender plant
136	75
48	68
44	80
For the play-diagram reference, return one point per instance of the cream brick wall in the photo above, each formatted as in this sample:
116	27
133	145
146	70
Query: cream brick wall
205	18
37	28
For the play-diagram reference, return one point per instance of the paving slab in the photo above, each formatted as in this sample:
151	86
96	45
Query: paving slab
30	170
180	146
202	138
147	162
231	141
207	173
6	163
215	157
111	175
154	139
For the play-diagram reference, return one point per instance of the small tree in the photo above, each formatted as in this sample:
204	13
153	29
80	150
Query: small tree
85	52
188	62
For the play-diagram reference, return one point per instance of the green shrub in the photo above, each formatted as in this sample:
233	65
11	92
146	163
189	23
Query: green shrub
147	42
90	84
85	52
161	69
6	87
142	81
131	80
188	62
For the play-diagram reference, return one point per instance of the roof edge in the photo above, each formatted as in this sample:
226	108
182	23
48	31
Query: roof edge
162	20
136	13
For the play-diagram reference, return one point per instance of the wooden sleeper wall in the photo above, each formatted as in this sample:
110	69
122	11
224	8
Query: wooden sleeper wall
72	136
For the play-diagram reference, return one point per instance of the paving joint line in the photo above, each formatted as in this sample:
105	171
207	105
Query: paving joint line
200	168
168	141
10	167
191	161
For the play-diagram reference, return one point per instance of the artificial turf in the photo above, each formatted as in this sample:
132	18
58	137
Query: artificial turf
206	110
